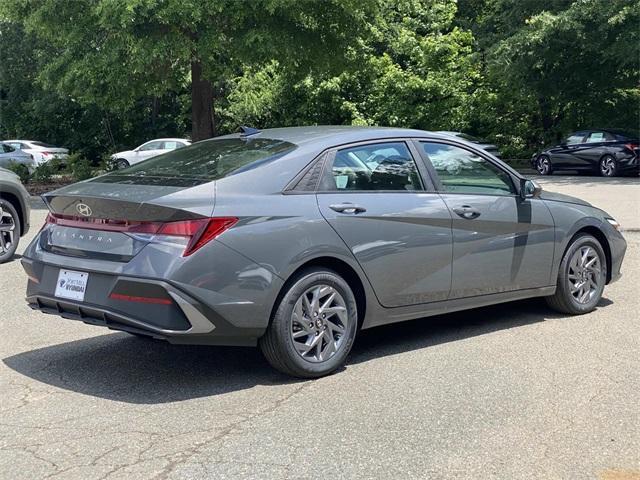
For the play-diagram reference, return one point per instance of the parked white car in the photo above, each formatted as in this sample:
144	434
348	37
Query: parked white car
40	151
147	150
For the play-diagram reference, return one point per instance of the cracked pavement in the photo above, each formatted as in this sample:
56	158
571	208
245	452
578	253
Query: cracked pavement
507	392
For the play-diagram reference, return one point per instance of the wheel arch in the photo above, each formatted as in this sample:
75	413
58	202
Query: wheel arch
342	268
598	235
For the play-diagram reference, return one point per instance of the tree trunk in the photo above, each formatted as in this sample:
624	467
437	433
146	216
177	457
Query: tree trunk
202	123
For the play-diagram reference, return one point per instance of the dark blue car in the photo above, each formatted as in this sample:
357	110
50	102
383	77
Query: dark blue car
608	152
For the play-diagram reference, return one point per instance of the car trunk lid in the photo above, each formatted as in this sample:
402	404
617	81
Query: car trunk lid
114	221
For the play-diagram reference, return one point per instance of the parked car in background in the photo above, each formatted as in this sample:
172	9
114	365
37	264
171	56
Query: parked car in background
42	152
147	150
9	155
609	152
483	144
295	238
14	213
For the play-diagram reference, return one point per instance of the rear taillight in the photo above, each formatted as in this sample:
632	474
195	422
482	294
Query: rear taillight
197	232
632	146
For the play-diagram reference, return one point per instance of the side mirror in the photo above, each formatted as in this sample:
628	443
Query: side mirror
529	189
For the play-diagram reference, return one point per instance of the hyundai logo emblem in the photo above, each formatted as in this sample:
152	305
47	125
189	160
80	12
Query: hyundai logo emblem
84	209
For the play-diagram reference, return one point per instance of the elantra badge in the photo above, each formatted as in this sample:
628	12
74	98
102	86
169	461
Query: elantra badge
84	209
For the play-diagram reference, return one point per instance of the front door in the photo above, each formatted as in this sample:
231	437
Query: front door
387	213
500	241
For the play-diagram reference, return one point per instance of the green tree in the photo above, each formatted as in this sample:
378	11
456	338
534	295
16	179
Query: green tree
412	67
113	52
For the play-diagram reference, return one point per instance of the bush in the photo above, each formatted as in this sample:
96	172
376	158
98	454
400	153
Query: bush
21	170
42	173
79	167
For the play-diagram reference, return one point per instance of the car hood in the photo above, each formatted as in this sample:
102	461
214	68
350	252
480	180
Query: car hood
124	152
561	197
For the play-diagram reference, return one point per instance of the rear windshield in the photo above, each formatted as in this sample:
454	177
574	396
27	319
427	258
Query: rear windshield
202	162
42	144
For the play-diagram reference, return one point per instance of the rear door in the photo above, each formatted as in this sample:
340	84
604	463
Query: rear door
385	209
567	155
501	242
595	146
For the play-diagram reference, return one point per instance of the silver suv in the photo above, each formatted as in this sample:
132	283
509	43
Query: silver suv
14	213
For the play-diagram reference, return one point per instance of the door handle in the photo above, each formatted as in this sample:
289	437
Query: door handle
467	212
347	208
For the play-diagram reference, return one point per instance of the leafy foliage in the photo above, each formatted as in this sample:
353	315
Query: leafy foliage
98	76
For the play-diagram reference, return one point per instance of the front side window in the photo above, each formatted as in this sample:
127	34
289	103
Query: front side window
379	166
575	138
461	171
151	146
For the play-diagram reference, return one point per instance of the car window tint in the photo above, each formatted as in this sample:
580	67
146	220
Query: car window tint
151	146
595	137
461	171
7	148
575	138
380	166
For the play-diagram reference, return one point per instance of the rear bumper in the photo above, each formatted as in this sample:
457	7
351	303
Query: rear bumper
180	319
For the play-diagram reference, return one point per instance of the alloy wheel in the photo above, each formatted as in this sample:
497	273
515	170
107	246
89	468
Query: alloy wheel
585	274
319	322
544	165
7	231
608	166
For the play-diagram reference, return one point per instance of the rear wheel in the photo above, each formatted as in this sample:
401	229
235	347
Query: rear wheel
313	327
9	230
581	277
608	166
544	166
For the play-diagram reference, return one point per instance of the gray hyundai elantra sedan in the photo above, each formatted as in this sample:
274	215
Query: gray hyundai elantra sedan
293	239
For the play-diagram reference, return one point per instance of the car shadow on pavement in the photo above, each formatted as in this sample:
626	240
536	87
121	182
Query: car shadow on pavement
124	368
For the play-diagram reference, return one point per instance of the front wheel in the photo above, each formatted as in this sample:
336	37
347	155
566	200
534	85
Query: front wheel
544	166
313	327
608	166
9	230
121	163
581	277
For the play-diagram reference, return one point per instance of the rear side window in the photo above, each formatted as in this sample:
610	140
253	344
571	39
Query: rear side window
379	166
7	148
202	162
597	137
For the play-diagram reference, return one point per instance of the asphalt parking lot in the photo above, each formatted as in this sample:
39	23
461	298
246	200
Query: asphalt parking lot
514	391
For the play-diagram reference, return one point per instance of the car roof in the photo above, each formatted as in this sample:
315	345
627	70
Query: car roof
168	140
336	134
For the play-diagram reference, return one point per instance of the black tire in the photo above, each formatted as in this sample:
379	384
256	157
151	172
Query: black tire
608	167
544	165
563	300
9	214
121	163
277	344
